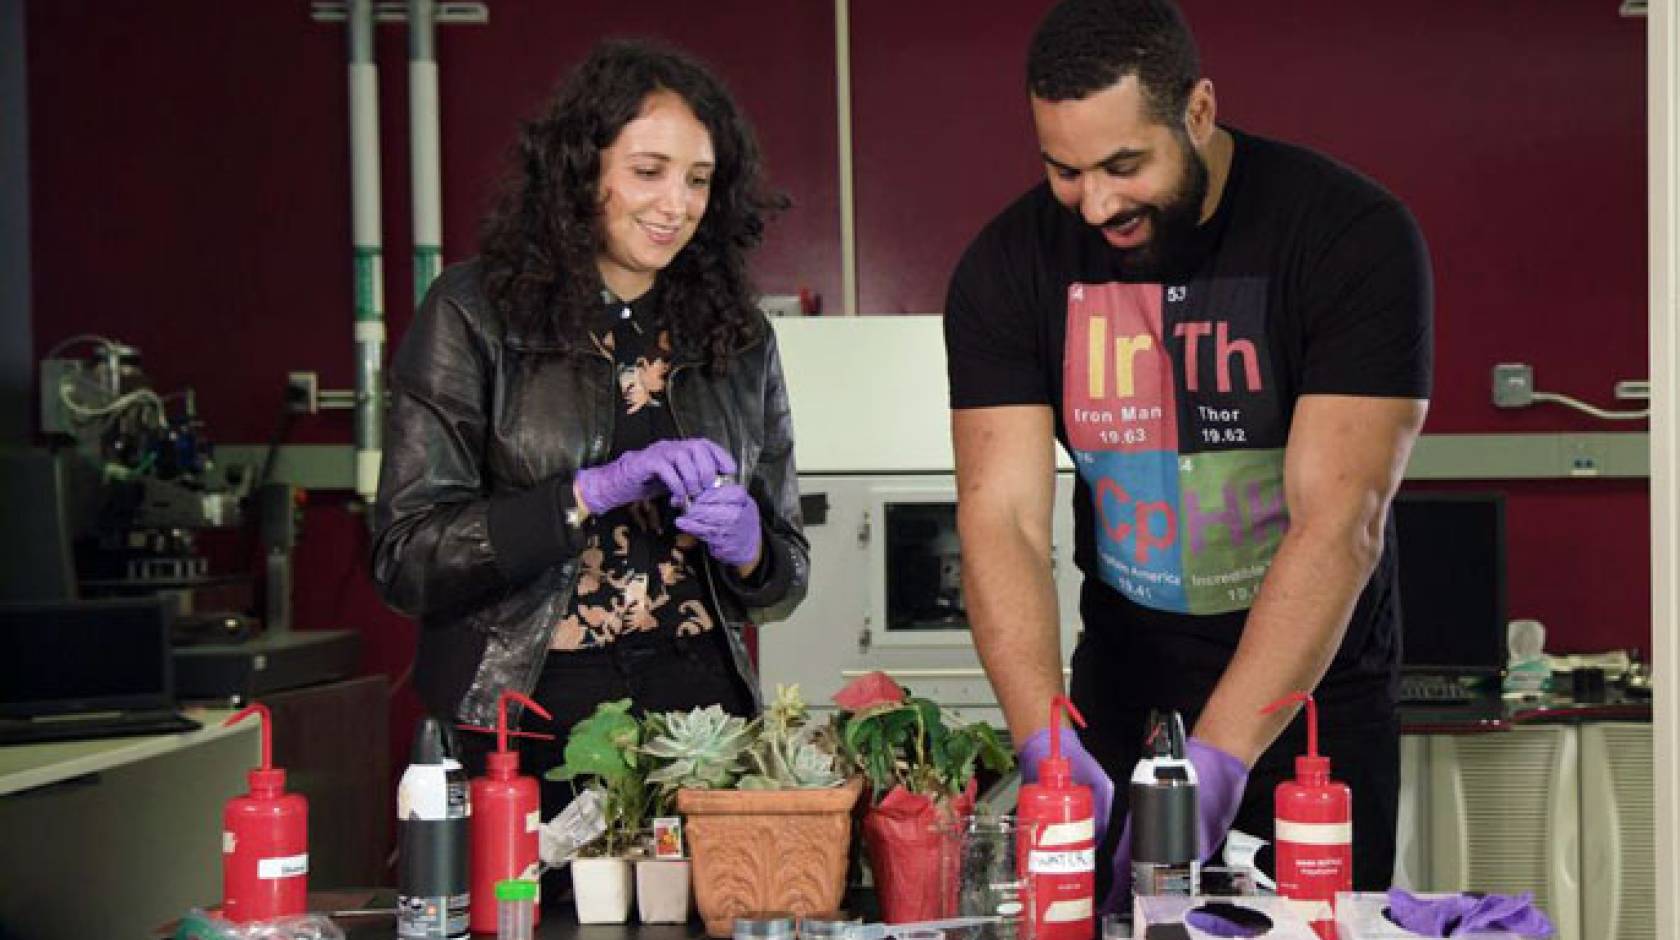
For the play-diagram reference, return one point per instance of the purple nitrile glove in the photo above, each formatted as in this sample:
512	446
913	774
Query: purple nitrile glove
1220	781
1455	914
1086	770
1431	917
1517	915
684	468
726	519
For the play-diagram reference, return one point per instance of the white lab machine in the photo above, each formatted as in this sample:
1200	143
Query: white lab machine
877	477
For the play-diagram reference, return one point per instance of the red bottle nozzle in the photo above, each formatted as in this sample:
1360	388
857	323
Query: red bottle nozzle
503	762
267	777
1055	770
1310	764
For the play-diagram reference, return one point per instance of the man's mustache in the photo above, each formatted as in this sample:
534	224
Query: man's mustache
1123	219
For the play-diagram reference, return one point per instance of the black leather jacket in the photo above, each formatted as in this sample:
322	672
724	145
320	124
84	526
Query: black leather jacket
486	428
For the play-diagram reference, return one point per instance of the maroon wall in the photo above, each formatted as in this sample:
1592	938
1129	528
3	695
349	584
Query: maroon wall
189	195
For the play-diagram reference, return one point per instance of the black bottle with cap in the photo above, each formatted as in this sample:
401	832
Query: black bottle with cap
1164	813
433	807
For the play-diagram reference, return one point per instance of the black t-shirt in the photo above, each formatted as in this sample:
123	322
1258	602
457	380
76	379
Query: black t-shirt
1175	399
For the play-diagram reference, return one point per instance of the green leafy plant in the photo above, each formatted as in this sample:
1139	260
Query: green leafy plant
603	752
897	740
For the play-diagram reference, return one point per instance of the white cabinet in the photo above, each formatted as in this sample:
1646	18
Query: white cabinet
1563	811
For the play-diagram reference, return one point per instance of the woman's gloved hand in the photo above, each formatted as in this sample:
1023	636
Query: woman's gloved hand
726	519
684	468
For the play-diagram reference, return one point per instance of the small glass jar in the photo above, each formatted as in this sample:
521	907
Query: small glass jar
830	925
516	901
764	925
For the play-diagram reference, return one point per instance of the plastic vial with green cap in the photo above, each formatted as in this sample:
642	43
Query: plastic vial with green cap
516	901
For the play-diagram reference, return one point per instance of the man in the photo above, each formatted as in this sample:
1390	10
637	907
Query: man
1231	336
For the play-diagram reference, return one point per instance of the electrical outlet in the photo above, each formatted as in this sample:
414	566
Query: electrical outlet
303	396
1513	385
1633	390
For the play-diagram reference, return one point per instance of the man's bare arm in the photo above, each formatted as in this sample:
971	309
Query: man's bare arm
1344	460
1005	488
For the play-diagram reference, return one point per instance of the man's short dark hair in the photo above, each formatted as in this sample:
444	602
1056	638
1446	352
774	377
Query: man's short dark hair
1084	46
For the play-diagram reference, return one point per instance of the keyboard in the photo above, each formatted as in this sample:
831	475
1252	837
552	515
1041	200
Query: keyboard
1424	689
36	731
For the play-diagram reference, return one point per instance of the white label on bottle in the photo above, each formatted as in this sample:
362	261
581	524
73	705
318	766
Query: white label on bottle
533	820
289	866
1067	833
227	842
1314	833
1060	912
1065	862
1310	910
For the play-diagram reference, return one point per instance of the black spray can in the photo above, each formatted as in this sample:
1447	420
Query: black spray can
432	812
1164	813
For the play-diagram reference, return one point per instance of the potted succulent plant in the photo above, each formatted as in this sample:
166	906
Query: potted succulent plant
702	747
921	766
602	751
766	808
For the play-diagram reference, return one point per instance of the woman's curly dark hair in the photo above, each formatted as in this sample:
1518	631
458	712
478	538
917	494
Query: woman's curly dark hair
539	243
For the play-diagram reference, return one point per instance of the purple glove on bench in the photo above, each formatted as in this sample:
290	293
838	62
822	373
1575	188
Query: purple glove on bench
684	468
1457	914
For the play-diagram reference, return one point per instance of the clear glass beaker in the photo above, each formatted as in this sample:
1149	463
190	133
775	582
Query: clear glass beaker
982	877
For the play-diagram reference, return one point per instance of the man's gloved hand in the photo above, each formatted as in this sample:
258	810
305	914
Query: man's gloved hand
1220	781
726	519
1086	770
684	468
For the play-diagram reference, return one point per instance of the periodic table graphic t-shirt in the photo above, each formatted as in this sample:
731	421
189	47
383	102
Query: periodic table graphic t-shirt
1174	396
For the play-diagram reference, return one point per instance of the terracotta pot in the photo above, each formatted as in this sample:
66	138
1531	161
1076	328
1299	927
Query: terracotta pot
767	850
603	890
662	890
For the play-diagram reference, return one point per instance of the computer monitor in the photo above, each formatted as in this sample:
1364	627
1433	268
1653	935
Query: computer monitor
1452	581
71	657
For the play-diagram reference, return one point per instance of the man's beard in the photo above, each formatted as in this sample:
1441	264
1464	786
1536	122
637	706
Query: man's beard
1171	224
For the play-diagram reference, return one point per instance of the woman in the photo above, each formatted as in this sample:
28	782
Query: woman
588	480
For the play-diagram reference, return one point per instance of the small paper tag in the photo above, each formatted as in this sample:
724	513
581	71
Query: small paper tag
667	837
289	866
227	842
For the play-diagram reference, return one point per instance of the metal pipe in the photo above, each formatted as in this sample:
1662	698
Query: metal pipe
426	161
369	271
843	95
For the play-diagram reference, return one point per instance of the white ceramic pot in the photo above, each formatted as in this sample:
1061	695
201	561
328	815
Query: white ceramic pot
602	887
662	890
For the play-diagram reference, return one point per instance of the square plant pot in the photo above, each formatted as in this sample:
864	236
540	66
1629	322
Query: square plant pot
662	890
603	890
767	850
